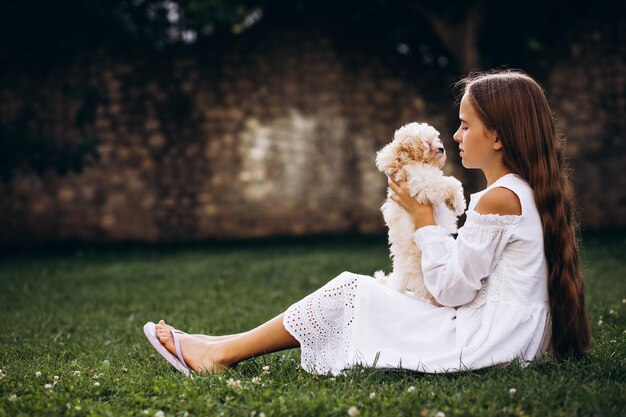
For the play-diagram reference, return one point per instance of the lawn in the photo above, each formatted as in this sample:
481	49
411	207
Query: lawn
71	340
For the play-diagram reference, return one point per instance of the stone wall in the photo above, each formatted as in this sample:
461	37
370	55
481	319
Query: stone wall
275	135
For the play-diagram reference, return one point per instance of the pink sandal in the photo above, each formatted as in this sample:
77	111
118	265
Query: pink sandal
178	362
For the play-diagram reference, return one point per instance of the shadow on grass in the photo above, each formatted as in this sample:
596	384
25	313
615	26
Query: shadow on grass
132	248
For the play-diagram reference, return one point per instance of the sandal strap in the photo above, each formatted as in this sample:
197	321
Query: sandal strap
179	352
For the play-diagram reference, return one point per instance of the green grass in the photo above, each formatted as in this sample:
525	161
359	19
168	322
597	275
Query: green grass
73	310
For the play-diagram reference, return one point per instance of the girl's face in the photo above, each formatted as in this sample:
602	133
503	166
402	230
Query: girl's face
478	144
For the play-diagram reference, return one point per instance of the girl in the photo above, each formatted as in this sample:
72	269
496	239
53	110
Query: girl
510	283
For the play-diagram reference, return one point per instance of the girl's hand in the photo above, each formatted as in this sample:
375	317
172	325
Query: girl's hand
421	214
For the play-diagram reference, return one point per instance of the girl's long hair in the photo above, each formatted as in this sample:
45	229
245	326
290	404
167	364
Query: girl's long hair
515	106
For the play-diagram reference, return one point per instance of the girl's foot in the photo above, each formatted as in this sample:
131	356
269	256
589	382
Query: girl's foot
200	355
206	338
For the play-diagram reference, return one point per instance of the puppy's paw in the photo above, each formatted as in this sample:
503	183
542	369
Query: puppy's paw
455	202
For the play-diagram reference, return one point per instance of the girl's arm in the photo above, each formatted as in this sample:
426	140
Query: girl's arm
453	269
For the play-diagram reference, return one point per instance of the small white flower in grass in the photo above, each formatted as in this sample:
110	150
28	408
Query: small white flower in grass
623	300
146	412
612	312
372	394
76	373
440	414
159	413
266	370
353	411
96	376
411	389
13	398
186	414
48	386
332	378
253	413
106	362
233	383
37	374
600	322
255	380
77	407
55	378
261	414
2	374
96	384
512	391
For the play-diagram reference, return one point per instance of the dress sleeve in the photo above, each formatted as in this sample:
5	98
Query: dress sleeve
453	268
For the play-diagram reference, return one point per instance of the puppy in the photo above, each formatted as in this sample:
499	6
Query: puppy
416	155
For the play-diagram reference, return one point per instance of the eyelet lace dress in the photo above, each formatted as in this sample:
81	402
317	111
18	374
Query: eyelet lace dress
491	281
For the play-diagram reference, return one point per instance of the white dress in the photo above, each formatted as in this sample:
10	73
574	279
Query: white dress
491	279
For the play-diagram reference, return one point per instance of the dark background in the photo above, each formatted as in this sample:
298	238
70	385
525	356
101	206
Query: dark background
161	121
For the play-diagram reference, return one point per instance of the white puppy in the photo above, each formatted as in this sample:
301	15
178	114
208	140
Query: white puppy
416	155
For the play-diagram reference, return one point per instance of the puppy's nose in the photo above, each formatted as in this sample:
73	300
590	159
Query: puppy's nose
441	149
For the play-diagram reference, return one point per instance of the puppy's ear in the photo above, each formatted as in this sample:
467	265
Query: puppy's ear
414	149
403	156
403	151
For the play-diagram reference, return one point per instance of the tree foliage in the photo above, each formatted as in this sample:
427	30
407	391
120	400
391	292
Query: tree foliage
44	32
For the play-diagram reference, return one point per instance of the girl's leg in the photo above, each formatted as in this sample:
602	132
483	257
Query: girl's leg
209	338
216	356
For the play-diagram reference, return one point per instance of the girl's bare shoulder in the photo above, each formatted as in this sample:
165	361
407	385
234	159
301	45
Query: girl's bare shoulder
499	200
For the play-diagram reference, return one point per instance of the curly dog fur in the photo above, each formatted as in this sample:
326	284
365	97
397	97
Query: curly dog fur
416	154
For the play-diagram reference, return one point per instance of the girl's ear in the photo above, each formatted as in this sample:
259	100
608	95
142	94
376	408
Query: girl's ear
495	139
497	144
